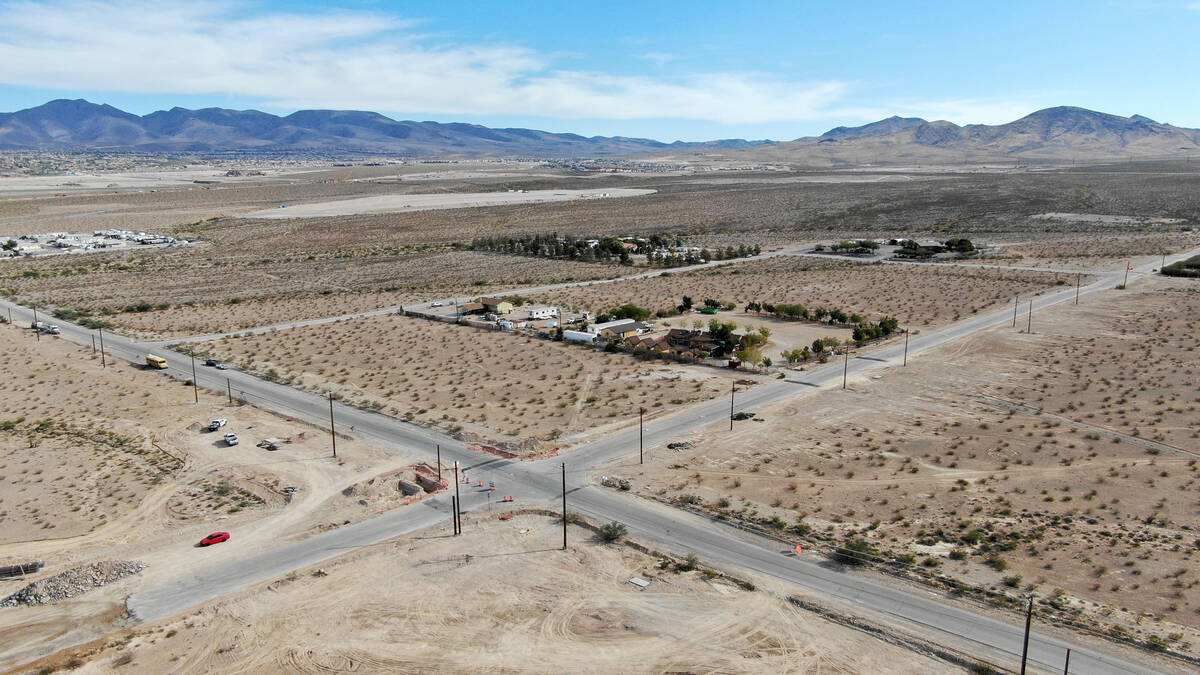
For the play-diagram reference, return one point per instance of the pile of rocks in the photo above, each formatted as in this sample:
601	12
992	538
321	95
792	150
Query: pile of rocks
73	582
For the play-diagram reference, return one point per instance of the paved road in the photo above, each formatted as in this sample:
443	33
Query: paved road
670	529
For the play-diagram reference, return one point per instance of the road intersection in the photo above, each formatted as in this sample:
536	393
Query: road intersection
666	528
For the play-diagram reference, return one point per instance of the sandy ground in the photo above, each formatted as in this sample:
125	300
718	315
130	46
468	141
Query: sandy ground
500	387
1101	252
123	471
500	598
917	296
433	202
143	180
1037	442
273	289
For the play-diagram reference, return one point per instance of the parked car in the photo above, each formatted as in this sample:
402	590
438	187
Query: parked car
214	538
231	439
54	330
215	364
435	304
217	423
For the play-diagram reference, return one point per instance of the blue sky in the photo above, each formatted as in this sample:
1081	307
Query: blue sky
667	70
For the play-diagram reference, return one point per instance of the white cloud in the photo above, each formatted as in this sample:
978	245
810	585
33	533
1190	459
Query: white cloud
356	59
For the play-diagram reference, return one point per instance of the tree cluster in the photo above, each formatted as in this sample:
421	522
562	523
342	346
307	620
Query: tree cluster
607	249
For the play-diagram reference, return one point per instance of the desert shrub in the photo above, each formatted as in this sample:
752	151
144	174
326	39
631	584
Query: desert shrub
854	552
1184	268
612	531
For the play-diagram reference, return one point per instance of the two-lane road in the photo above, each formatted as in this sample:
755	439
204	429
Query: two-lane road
668	528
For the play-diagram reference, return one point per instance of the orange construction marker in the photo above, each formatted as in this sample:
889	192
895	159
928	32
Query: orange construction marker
799	549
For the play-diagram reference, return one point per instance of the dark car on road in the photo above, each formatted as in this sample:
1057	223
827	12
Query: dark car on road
214	538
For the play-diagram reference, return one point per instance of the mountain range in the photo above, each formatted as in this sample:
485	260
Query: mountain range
80	125
1051	134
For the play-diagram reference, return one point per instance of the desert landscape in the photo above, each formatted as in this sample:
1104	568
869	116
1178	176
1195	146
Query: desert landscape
501	597
1059	461
115	463
500	388
1055	462
918	296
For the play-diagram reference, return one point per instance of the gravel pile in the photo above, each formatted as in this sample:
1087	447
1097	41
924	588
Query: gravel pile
73	582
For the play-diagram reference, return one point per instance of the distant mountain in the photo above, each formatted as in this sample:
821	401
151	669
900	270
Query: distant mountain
885	127
80	125
1063	133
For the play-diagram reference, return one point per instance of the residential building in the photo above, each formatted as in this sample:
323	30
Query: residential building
497	305
616	330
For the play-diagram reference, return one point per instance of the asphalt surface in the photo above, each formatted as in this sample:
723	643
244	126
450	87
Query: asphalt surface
669	529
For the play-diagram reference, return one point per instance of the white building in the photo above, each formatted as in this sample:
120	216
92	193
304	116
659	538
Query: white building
579	336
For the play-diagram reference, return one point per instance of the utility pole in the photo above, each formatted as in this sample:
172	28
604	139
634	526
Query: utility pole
1078	281
439	456
93	345
1067	665
731	390
332	431
846	368
457	501
641	438
103	362
36	330
1016	302
229	389
564	498
454	515
195	383
1029	327
905	347
1025	646
1125	284
1164	262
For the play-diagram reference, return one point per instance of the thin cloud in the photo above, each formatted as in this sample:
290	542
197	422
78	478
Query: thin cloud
357	59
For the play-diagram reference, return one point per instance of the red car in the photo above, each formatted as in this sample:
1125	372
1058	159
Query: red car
214	538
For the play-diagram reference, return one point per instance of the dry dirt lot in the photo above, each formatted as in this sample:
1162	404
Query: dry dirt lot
434	202
501	598
499	387
917	296
1095	252
112	464
1010	460
291	288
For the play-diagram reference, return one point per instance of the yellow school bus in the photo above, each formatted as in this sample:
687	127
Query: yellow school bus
155	361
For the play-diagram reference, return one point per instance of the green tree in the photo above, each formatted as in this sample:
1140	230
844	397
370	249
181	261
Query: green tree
630	311
752	355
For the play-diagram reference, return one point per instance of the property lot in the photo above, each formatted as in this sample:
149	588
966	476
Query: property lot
501	597
112	464
229	290
1009	460
498	387
1099	251
917	296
